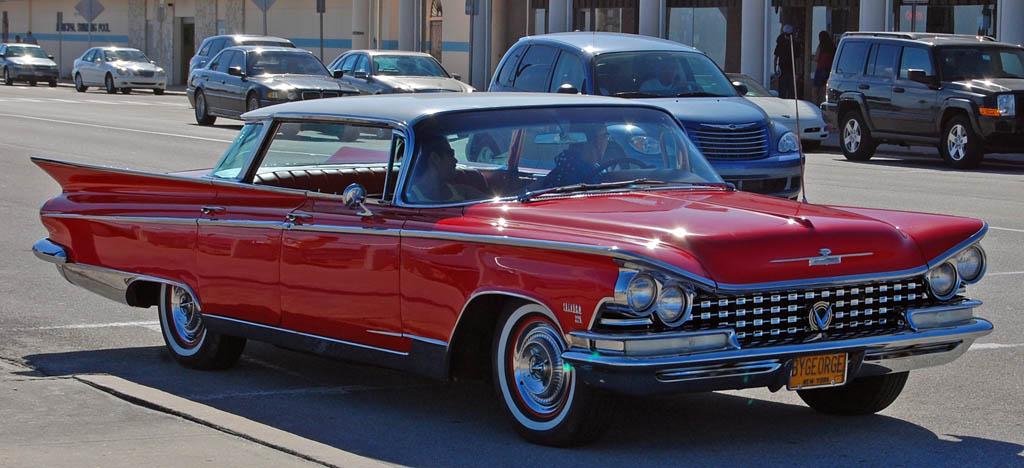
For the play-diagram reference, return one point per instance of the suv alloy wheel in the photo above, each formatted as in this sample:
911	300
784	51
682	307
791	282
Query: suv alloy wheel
959	145
855	138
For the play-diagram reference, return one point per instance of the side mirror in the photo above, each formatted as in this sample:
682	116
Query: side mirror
567	88
353	197
1	55
338	73
362	75
919	76
740	88
457	76
774	93
236	71
50	57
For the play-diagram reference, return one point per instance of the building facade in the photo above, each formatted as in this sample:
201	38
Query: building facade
469	37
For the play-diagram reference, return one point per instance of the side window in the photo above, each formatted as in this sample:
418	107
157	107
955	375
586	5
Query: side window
915	58
533	72
205	50
217	45
1013	64
362	64
233	162
851	59
883	60
89	56
508	71
220	62
237	60
569	69
394	166
349	63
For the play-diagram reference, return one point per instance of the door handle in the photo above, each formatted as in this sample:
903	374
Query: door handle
863	86
898	90
297	218
211	209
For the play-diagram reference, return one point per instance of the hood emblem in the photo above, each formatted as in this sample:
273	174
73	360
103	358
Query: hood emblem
825	258
821	316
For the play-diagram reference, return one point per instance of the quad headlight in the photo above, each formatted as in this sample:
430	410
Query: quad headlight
788	143
641	292
943	281
970	264
674	305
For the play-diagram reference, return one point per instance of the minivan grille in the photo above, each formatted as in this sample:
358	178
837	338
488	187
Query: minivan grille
722	142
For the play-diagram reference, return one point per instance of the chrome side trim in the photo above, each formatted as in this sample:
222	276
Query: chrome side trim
307	335
48	251
345	230
720	370
409	336
957	248
250	224
124	219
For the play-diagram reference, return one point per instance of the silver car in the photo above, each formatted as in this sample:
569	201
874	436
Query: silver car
812	126
393	71
118	68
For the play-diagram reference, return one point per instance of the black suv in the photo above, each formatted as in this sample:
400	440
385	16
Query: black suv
957	92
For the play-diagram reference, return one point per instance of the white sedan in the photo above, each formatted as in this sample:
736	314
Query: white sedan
812	125
118	68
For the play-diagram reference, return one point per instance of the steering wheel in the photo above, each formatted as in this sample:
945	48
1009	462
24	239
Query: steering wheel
624	162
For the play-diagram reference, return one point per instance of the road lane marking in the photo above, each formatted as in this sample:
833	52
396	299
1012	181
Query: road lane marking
118	128
1006	273
147	324
1005	229
984	346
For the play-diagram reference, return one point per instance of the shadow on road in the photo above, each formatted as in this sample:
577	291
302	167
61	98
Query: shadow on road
1010	164
406	420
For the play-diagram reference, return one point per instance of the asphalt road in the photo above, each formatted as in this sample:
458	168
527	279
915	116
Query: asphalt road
968	413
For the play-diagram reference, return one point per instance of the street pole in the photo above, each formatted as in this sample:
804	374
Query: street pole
796	107
60	42
264	22
90	23
321	36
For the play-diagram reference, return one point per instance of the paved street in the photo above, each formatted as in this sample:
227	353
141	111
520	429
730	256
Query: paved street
968	413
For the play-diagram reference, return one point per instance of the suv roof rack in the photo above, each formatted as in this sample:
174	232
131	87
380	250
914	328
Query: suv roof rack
918	35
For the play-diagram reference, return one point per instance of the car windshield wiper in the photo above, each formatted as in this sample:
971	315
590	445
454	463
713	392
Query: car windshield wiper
698	94
635	94
584	187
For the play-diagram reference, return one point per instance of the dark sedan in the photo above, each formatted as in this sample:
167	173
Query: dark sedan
244	78
392	71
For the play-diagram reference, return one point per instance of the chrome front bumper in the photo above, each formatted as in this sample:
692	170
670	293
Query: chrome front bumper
724	365
140	82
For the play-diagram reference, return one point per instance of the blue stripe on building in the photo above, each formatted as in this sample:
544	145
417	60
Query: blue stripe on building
77	37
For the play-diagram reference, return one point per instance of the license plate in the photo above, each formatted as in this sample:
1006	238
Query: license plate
823	370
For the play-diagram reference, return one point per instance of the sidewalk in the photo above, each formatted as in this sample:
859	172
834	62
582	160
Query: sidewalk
171	89
69	422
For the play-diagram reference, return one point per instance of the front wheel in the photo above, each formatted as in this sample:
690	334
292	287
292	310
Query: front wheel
158	91
7	77
866	395
108	82
252	102
960	147
855	138
186	336
126	90
542	394
53	84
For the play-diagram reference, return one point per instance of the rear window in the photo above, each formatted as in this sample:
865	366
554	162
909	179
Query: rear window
851	58
258	42
508	71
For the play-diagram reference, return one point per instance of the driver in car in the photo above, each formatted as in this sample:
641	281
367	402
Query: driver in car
579	163
667	79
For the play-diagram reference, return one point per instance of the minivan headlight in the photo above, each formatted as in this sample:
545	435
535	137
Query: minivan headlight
1006	103
788	143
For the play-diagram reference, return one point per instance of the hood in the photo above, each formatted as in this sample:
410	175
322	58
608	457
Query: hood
732	238
423	83
143	66
991	85
705	110
317	82
31	61
782	109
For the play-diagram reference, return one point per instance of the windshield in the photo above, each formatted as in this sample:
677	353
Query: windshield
270	62
15	51
126	55
978	63
478	156
406	65
754	89
660	74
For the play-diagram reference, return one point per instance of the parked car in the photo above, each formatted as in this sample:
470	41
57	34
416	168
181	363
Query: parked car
392	71
784	111
562	277
244	78
212	46
117	68
736	136
27	62
958	93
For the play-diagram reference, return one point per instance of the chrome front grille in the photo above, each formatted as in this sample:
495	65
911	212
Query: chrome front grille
145	73
784	317
330	94
721	142
310	95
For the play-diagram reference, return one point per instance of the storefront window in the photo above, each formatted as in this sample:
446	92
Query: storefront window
950	17
538	17
809	21
605	15
703	28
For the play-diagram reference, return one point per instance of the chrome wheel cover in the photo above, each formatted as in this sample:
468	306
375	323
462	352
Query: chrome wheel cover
252	104
185	317
109	82
201	106
78	81
541	377
956	142
851	136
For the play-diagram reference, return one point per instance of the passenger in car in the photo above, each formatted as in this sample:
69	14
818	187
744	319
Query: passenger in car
435	178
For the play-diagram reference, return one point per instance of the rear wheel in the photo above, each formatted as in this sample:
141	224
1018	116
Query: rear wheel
542	394
865	395
108	82
202	115
960	147
7	77
79	85
53	84
32	83
158	91
855	138
187	338
126	90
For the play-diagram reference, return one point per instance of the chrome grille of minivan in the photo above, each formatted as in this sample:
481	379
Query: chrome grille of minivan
730	141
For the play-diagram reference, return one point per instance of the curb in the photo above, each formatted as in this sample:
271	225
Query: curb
233	424
172	92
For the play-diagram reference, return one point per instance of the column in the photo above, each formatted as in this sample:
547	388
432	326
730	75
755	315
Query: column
872	15
206	21
1009	28
136	23
360	24
752	42
407	24
557	19
234	16
650	18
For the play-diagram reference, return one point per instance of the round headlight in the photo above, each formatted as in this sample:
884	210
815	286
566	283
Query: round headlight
943	281
971	264
674	306
788	143
641	292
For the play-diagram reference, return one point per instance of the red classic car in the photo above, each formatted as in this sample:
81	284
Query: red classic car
597	254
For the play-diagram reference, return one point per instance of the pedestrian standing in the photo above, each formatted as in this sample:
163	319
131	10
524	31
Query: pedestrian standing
784	63
826	53
17	38
30	39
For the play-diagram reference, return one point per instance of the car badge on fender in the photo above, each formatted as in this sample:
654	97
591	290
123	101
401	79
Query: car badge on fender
821	316
826	258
